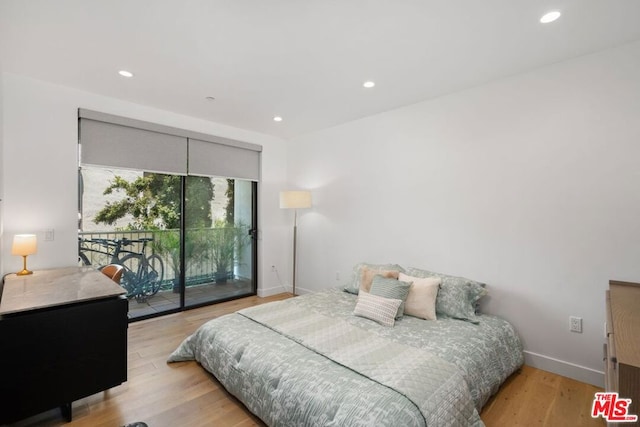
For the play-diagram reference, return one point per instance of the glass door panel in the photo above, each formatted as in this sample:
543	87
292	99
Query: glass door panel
218	246
132	218
135	219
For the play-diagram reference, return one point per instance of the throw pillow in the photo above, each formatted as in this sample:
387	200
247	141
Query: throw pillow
391	288
356	276
421	301
457	296
367	275
379	309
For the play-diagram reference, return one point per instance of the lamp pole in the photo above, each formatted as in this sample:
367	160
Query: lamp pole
295	232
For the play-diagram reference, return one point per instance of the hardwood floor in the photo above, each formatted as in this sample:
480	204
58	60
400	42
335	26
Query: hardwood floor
183	394
532	397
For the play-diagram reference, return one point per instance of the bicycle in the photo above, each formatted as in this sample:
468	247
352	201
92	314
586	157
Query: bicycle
142	274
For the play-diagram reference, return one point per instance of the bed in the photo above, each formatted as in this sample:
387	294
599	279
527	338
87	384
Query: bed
309	361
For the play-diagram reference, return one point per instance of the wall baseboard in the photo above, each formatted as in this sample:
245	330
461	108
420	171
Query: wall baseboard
566	369
267	292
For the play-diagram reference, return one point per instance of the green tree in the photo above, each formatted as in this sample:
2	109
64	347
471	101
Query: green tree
230	208
153	200
198	202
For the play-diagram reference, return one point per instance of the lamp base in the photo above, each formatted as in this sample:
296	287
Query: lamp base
24	271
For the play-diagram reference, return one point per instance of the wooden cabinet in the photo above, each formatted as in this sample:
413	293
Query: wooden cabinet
64	337
622	350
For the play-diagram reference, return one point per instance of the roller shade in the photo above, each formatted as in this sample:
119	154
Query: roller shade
114	141
108	144
214	159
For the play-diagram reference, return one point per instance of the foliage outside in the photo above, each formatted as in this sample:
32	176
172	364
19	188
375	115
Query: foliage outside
153	202
227	244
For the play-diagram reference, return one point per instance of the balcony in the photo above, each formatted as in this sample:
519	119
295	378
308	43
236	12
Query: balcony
213	258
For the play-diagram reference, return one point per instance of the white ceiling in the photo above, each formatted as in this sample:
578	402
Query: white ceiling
304	60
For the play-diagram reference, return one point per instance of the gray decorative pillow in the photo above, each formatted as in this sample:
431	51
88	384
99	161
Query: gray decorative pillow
391	288
379	309
356	276
457	296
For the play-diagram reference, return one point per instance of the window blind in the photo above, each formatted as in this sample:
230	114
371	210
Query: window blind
107	144
114	141
209	158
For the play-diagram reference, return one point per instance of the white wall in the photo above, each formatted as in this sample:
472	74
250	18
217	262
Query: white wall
530	184
39	170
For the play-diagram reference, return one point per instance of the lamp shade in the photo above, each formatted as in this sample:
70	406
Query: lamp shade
24	244
295	199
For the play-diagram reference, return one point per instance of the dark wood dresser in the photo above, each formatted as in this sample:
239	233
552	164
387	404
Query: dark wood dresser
622	350
63	336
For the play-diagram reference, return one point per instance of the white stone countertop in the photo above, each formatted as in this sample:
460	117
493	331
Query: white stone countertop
49	288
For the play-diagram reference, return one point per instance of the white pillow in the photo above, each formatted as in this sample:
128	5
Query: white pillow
421	301
380	309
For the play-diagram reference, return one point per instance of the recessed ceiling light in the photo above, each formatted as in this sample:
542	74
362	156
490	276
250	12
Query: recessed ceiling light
125	73
550	17
369	84
277	119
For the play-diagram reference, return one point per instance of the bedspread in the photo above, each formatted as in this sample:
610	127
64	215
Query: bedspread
309	361
422	377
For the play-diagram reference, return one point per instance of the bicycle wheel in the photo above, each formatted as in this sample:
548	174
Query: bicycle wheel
152	275
130	280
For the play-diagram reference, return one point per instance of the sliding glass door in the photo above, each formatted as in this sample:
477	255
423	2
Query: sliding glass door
183	241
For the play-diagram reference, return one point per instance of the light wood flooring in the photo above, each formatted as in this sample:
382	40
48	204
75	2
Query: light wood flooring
183	394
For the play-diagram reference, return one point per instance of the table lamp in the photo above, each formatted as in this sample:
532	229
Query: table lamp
24	245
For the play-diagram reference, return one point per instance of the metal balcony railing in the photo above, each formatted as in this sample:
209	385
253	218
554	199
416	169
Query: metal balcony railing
211	254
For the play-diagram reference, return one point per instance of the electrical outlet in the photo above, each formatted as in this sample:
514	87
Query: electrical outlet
575	324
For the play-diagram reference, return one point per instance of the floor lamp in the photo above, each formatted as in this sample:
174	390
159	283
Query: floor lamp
295	200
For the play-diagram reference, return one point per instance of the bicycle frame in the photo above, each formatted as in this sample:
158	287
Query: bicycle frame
143	274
